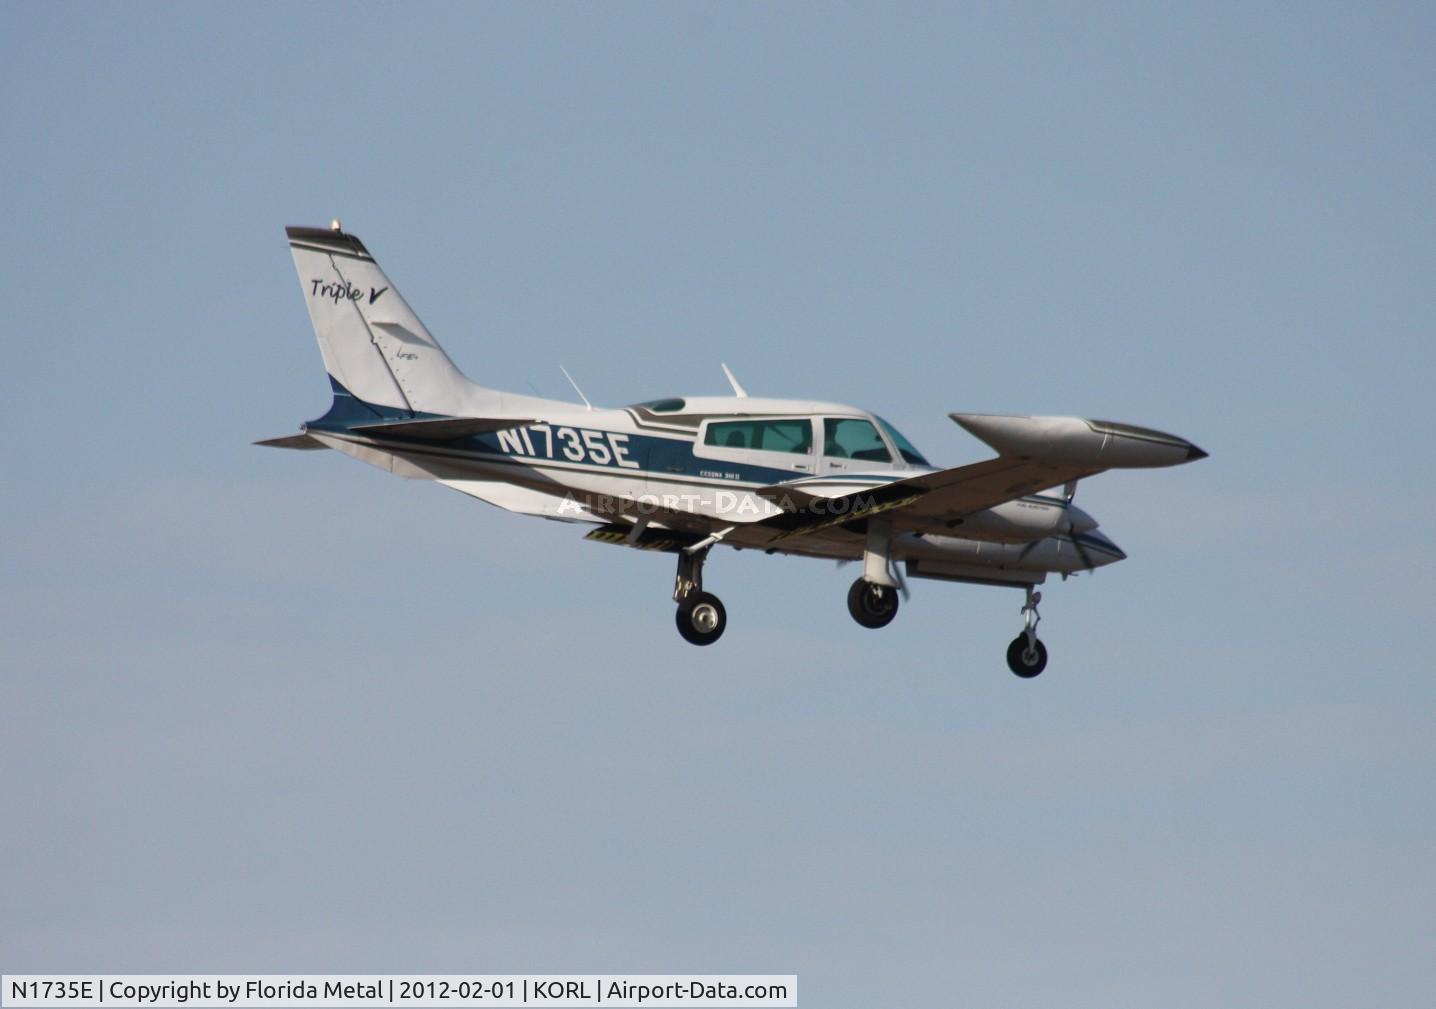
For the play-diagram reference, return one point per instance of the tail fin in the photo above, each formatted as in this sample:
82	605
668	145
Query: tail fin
372	342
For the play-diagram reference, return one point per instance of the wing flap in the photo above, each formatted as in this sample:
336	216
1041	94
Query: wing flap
647	538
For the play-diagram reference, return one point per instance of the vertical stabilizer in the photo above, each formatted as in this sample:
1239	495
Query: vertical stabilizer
372	342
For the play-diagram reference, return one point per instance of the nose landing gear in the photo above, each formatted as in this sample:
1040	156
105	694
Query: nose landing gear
1027	656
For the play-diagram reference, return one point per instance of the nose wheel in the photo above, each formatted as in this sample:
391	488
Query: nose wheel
1027	656
1026	660
701	618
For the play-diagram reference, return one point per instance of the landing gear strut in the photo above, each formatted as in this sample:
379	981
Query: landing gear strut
701	618
1027	656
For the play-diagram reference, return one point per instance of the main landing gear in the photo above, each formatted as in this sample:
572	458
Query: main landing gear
871	604
700	617
1027	656
873	599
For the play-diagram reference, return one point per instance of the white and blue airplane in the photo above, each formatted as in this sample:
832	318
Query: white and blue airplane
685	474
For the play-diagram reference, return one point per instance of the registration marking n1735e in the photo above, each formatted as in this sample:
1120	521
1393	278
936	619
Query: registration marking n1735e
544	441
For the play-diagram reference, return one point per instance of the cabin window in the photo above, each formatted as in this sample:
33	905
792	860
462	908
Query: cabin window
852	438
763	435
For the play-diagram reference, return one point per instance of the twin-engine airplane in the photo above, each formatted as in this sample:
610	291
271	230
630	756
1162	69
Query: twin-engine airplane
685	474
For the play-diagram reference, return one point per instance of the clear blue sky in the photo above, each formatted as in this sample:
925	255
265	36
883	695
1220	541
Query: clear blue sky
279	712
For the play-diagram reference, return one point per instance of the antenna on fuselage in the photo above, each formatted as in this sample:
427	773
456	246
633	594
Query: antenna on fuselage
575	387
738	390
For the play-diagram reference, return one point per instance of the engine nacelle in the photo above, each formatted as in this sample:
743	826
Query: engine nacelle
1024	520
963	558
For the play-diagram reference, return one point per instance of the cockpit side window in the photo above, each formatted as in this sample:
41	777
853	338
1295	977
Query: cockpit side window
853	438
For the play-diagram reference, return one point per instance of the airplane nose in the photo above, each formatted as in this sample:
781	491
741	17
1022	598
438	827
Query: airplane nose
1100	550
1079	521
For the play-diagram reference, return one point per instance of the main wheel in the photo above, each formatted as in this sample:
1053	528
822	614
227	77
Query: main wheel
1026	662
701	618
871	604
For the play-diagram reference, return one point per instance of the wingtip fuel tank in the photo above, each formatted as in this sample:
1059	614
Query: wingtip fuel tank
1102	443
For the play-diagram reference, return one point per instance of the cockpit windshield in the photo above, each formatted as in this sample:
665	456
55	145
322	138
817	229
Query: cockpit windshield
909	453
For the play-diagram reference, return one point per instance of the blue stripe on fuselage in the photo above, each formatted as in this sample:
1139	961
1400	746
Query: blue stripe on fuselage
619	451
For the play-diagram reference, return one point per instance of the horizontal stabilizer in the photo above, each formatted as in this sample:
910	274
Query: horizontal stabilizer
443	428
300	441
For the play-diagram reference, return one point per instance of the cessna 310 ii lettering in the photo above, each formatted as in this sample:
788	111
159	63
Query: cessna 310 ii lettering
686	474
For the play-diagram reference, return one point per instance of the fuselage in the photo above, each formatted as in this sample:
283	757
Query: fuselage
684	463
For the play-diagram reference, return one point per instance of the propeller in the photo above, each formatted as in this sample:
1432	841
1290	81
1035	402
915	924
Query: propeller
895	570
1072	538
1069	491
1087	564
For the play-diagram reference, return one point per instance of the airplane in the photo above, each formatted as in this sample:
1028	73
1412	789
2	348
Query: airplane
684	474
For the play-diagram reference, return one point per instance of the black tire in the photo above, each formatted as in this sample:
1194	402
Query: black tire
1023	664
701	618
872	605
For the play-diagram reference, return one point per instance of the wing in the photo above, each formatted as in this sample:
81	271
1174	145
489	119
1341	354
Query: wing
1035	453
918	503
